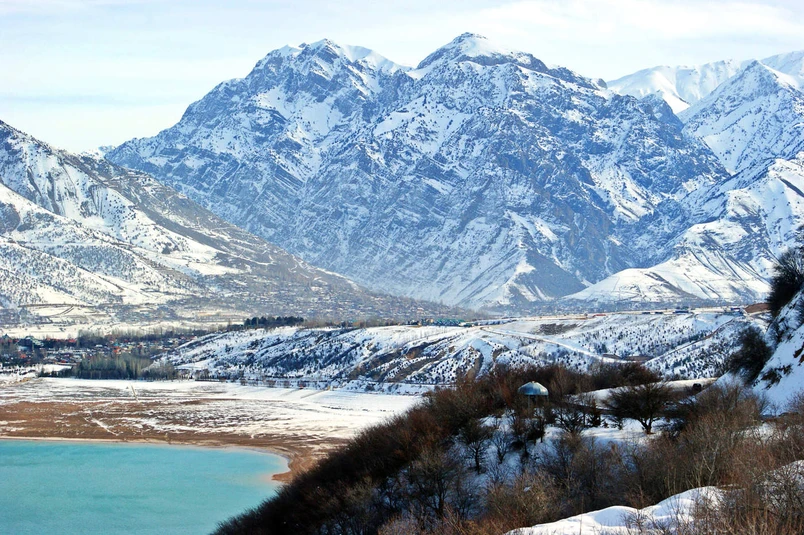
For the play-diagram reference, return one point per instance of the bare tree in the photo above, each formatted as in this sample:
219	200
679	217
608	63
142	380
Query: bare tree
475	436
643	403
501	440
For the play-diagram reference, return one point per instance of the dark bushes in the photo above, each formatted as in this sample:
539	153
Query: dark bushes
754	353
392	456
788	279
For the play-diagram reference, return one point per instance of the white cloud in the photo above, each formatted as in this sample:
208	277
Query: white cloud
637	20
59	6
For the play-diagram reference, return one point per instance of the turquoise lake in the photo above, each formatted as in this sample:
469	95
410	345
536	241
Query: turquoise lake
71	488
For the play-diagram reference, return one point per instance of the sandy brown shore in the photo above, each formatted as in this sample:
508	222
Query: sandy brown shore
78	421
300	426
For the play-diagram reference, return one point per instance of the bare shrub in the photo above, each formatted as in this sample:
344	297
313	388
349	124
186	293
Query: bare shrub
527	500
438	482
610	375
743	405
501	440
585	474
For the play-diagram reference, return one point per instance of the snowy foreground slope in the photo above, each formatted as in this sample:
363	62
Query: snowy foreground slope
675	515
82	233
482	177
622	520
412	358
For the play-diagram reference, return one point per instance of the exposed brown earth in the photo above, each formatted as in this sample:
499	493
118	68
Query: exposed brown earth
42	410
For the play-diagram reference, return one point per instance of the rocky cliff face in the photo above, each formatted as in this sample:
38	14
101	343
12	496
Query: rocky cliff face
77	230
481	178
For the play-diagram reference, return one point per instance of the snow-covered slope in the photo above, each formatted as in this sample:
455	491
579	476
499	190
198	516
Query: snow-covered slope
688	345
782	378
740	227
675	511
78	230
480	178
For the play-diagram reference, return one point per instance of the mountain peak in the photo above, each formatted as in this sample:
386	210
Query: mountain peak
791	64
331	52
465	46
751	118
755	78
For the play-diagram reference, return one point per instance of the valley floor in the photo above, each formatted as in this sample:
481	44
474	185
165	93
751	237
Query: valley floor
298	423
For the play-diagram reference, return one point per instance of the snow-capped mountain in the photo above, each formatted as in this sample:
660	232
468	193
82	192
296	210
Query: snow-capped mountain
77	230
683	86
751	119
754	122
739	228
479	178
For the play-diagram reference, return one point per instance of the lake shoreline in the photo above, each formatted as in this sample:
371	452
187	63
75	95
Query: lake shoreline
300	425
296	460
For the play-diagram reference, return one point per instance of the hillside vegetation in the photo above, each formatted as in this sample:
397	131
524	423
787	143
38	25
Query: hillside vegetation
480	458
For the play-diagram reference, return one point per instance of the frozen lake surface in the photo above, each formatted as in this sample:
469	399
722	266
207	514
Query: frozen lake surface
110	488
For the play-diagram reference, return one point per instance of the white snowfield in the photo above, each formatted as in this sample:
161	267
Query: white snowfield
215	407
683	86
673	515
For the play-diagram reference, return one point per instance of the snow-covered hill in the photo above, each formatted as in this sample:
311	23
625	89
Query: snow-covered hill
78	230
402	358
480	178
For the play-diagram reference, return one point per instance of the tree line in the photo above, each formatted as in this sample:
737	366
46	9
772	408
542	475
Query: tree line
123	367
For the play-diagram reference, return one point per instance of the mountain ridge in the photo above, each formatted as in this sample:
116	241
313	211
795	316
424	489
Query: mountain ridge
512	182
78	230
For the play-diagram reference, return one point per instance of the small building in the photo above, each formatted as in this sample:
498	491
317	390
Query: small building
533	390
537	395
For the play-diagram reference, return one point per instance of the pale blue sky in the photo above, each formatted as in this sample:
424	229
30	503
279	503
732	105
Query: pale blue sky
84	73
